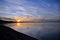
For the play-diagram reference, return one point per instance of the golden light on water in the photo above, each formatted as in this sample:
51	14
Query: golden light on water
17	25
24	25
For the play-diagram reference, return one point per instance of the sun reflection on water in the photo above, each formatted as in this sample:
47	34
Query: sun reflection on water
24	25
14	25
17	25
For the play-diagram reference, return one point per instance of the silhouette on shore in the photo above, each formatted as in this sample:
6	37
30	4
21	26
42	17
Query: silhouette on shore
7	33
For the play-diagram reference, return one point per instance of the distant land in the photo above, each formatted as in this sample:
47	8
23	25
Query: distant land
3	21
9	20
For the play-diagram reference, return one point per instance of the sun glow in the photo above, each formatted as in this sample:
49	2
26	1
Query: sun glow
17	19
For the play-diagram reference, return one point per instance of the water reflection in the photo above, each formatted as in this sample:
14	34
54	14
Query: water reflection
14	25
17	25
36	30
24	25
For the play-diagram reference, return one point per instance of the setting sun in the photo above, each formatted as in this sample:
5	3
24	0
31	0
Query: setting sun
18	20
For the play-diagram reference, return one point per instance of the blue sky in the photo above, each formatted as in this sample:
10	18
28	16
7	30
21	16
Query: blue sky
30	8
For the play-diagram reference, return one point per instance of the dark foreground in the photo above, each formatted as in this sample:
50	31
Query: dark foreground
7	33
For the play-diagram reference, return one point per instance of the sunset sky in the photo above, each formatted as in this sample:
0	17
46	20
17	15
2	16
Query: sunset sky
30	8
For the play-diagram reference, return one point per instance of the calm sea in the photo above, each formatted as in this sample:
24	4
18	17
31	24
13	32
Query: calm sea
37	30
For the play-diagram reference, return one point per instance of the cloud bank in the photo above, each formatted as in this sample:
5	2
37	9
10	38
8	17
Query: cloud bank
30	8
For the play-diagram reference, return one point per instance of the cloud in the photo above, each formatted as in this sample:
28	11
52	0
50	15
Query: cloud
30	9
16	1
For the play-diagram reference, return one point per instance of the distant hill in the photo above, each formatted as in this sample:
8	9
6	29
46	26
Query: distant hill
2	21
